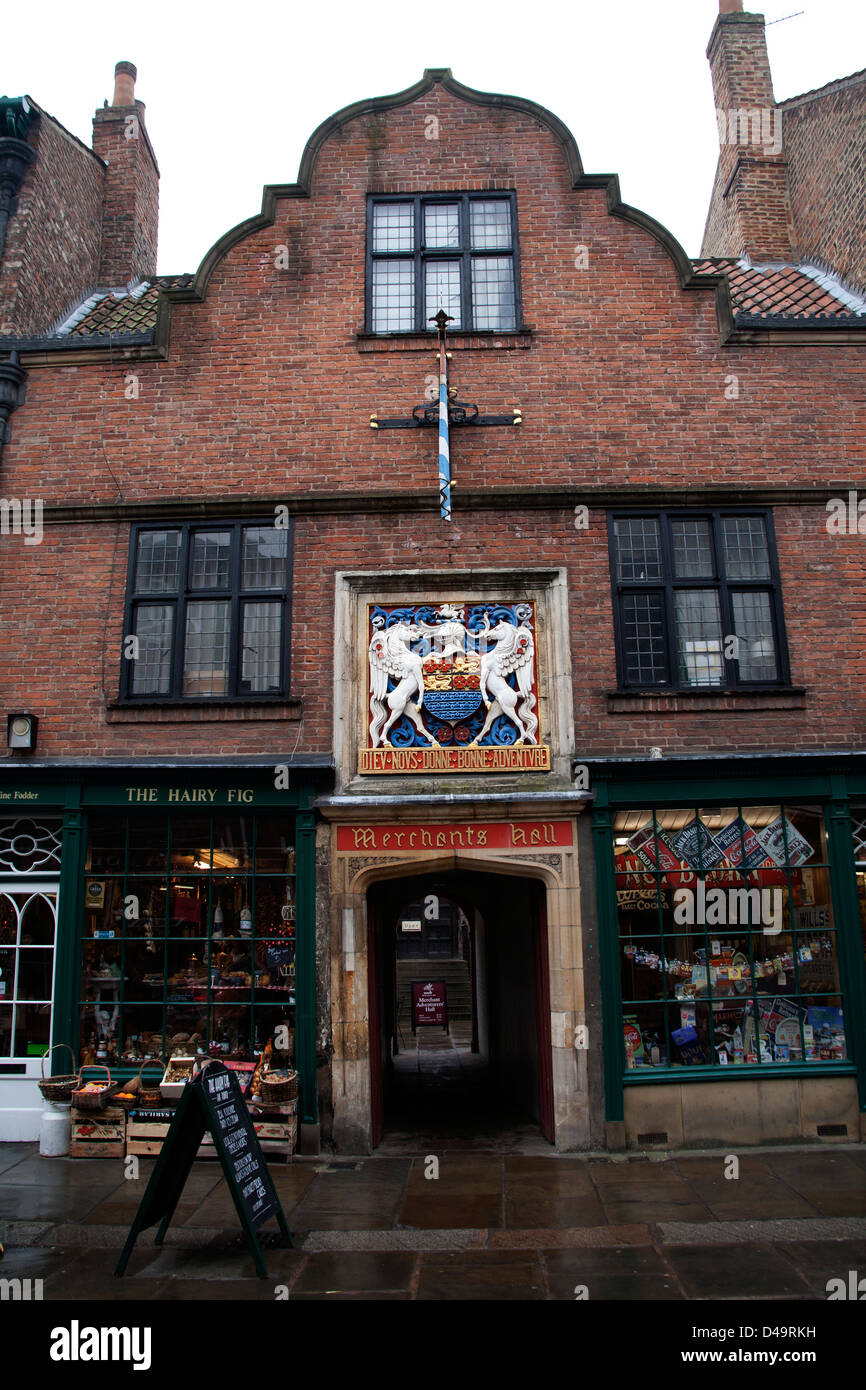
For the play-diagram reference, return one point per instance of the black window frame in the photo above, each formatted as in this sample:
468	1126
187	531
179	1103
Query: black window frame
464	254
182	595
719	582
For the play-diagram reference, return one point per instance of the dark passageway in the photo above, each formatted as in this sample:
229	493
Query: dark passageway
475	1083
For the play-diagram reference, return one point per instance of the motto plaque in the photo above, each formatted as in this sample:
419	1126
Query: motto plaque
453	688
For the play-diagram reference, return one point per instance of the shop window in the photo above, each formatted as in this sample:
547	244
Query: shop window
189	936
208	613
456	252
28	920
697	601
726	939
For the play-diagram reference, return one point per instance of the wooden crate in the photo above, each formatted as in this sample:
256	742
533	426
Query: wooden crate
145	1137
98	1134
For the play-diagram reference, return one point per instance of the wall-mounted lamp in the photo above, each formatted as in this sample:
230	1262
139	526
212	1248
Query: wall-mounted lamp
21	729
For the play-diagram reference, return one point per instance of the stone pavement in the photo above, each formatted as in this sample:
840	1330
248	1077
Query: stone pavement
493	1226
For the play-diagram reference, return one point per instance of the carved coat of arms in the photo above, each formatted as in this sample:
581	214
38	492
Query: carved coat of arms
453	675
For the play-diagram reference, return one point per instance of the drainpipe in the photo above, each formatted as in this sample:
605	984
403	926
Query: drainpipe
12	378
16	156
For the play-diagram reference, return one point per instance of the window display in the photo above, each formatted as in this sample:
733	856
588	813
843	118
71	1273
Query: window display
728	952
189	936
28	919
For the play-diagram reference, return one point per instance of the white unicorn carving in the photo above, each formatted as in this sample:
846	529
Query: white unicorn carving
391	655
514	651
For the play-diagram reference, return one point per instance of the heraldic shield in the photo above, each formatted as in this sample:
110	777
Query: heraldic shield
452	674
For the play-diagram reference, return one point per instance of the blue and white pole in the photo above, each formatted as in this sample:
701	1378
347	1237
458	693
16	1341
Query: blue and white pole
444	442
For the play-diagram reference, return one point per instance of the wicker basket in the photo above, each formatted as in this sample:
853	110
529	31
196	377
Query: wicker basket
94	1100
58	1089
150	1097
128	1095
274	1089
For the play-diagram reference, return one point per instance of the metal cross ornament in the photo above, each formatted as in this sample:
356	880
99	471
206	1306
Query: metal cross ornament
446	412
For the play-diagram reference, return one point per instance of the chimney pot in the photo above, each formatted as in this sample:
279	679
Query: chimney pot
124	84
730	6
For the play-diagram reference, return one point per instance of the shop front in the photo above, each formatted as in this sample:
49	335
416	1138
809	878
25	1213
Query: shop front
731	932
150	913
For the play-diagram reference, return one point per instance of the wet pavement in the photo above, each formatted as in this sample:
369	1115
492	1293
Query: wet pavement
490	1226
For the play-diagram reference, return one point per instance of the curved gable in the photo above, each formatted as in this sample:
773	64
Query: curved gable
433	77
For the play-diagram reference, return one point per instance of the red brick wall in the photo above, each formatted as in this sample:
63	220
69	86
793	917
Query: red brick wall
824	140
51	257
130	213
266	391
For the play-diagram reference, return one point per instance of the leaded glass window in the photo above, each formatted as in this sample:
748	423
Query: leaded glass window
208	612
456	252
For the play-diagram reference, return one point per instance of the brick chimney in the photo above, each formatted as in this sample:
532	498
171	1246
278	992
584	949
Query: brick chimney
130	204
750	209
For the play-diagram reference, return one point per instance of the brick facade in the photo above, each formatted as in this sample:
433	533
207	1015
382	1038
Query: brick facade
266	392
51	257
638	390
825	136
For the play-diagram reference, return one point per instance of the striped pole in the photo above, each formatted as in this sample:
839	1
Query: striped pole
444	443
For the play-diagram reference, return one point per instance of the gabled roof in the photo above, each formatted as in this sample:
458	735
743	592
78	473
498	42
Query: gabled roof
782	291
120	310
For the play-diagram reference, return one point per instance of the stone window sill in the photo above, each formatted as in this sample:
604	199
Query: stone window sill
697	701
426	342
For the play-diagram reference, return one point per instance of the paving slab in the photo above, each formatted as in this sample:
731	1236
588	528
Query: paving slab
616	1287
758	1198
646	1208
730	1271
553	1212
437	1209
354	1271
481	1274
10	1154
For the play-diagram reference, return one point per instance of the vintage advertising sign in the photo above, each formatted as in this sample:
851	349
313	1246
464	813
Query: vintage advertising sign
453	687
696	846
456	835
740	844
774	836
429	1003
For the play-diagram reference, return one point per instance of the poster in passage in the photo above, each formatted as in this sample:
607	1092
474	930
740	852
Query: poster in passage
428	1001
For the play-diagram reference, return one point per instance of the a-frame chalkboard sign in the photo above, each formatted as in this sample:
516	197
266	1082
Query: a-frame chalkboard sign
213	1102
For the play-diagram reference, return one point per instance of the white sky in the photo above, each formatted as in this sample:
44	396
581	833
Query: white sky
233	91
